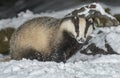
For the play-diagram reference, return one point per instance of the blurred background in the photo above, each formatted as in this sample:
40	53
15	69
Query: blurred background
10	8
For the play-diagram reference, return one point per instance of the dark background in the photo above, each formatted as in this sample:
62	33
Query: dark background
10	8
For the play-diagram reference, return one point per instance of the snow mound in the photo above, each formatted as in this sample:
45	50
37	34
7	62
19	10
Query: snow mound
97	12
85	10
97	7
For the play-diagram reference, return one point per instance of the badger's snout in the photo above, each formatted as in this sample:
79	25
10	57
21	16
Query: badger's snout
81	40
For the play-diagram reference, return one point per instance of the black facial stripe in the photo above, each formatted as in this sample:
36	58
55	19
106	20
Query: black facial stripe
75	21
88	23
86	29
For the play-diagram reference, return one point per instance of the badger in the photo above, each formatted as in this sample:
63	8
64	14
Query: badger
50	39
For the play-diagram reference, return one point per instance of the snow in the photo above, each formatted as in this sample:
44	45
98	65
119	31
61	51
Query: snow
114	9
98	8
110	34
34	69
24	16
78	66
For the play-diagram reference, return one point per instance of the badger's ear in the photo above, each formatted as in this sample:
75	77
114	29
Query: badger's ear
90	20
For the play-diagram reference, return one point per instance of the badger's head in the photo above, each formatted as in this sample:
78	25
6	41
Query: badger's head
79	27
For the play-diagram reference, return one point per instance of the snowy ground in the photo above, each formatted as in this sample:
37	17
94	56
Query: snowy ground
79	66
88	69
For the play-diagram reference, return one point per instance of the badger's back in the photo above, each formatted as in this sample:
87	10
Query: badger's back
36	34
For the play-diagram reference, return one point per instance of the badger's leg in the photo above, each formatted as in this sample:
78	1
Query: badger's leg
58	56
33	54
28	54
68	47
65	51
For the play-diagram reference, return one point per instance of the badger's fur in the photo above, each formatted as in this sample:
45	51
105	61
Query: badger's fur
48	39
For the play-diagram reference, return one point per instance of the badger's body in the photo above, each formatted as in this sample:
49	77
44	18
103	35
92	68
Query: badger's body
45	39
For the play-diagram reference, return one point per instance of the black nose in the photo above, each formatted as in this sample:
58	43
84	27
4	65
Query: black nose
82	40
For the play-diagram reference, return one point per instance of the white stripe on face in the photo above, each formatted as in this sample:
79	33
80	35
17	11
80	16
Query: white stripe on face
69	26
82	26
